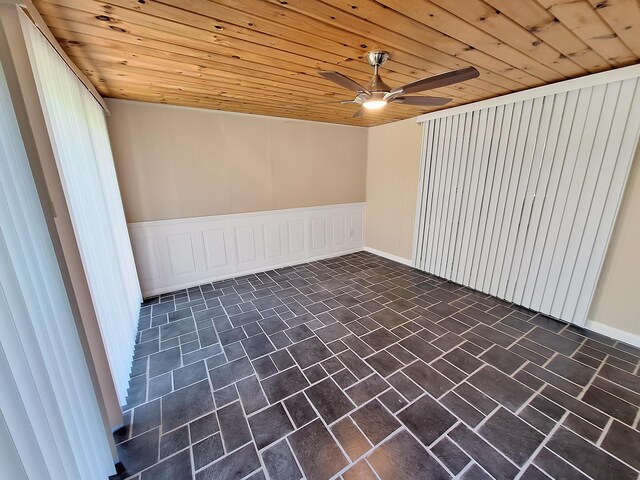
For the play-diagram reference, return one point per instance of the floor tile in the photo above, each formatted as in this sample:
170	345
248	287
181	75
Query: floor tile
632	382
272	325
299	333
504	360
557	467
552	340
416	377
384	363
379	339
360	471
177	467
510	435
300	409
284	384
190	374
186	404
586	457
624	443
332	332
450	455
280	463
257	346
206	451
251	394
428	378
403	457
282	359
614	406
483	453
576	406
474	472
140	452
405	386
500	387
537	419
375	421
571	370
427	419
388	318
235	465
582	427
351	438
174	441
163	362
146	417
329	400
316	450
233	426
355	365
269	425
264	367
553	379
420	348
462	409
308	352
175	329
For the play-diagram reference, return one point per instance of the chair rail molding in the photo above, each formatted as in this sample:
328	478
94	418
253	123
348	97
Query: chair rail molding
180	253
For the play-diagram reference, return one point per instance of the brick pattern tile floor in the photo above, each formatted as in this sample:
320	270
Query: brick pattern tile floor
358	367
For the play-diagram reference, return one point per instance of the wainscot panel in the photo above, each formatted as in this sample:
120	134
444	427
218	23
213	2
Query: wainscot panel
175	254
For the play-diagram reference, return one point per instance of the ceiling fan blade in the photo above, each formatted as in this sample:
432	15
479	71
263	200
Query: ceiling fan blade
359	113
436	81
422	101
343	81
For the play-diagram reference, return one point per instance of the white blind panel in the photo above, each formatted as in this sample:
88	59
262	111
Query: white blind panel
50	425
519	200
83	155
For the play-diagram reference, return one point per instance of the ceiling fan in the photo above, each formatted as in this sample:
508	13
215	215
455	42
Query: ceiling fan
378	94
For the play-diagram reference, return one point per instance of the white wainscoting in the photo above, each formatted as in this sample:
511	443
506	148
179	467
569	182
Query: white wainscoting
174	254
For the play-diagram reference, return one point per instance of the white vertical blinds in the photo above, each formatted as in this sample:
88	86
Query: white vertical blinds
83	154
50	423
519	200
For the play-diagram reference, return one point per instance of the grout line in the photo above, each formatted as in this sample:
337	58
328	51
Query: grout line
591	380
542	444
604	432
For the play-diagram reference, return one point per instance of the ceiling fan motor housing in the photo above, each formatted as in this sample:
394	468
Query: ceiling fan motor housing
375	59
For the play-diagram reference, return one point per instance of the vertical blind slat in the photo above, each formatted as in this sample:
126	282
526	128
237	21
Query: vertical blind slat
78	133
519	200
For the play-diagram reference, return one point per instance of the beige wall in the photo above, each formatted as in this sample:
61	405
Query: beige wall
392	183
176	162
615	303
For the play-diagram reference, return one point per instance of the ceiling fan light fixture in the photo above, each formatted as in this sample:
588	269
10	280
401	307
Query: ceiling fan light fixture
374	101
377	94
374	104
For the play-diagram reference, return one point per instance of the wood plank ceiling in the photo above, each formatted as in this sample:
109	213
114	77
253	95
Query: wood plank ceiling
262	56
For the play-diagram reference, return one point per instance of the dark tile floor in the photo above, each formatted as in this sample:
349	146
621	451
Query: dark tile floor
358	367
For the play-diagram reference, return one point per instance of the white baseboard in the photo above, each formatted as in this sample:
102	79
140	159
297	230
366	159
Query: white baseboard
615	333
597	327
395	258
159	291
175	254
